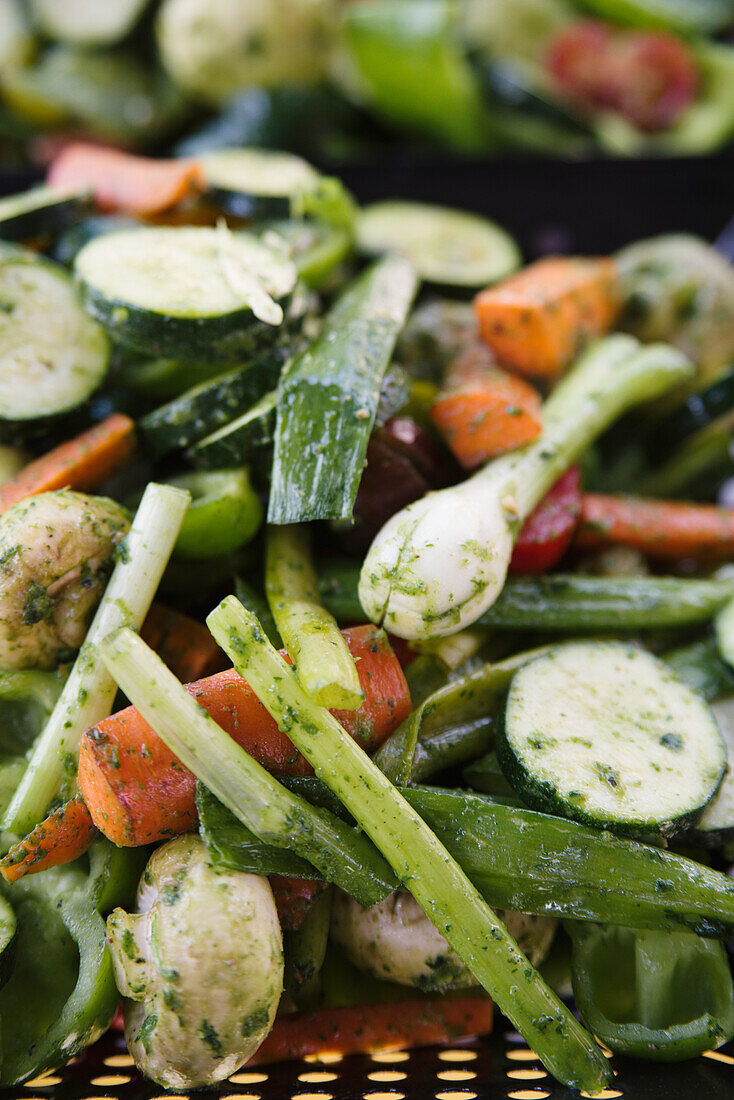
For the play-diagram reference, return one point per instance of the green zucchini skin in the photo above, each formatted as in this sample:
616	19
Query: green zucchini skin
571	602
696	413
20	221
206	408
225	339
254	207
604	733
245	441
328	399
715	827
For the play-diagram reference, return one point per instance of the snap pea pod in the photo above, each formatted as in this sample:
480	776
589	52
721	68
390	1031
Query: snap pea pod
665	996
417	857
455	724
342	855
537	863
582	603
305	951
233	846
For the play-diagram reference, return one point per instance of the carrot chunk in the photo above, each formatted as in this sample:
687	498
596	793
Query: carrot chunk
82	463
65	835
366	1029
123	183
182	643
482	411
665	529
538	320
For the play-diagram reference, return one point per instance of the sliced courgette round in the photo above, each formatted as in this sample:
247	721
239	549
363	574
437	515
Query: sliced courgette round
86	22
186	293
225	513
316	249
37	211
446	246
52	354
604	733
257	183
209	406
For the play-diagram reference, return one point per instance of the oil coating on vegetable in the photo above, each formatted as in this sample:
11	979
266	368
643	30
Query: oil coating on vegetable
56	553
200	965
396	942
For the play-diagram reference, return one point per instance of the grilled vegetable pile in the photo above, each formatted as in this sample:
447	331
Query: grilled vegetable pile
366	602
336	79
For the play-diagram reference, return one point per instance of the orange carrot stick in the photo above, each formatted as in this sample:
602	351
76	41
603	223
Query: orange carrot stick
482	411
538	320
65	835
660	528
82	463
137	791
293	899
366	1029
182	643
125	183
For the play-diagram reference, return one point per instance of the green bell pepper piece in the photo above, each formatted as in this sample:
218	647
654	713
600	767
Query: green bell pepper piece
407	64
60	993
26	700
659	995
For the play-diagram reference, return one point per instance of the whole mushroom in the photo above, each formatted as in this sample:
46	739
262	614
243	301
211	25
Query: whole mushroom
200	966
56	554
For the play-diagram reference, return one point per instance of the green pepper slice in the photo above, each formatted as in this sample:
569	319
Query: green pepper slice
658	995
59	993
224	514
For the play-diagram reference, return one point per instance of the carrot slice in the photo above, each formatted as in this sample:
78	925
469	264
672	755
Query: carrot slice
366	1029
660	528
184	644
137	791
293	899
82	463
65	835
482	411
538	320
125	183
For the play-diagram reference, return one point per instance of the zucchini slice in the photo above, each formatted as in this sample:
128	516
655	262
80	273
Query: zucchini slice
209	406
445	246
716	824
52	354
86	22
72	241
38	210
257	183
604	733
186	293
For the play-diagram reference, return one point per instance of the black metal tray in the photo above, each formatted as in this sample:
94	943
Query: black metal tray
500	1067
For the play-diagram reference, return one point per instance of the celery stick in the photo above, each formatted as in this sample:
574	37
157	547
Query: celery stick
322	659
418	858
342	854
90	691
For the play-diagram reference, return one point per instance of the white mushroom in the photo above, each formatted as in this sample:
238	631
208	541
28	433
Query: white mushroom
56	554
201	966
395	941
